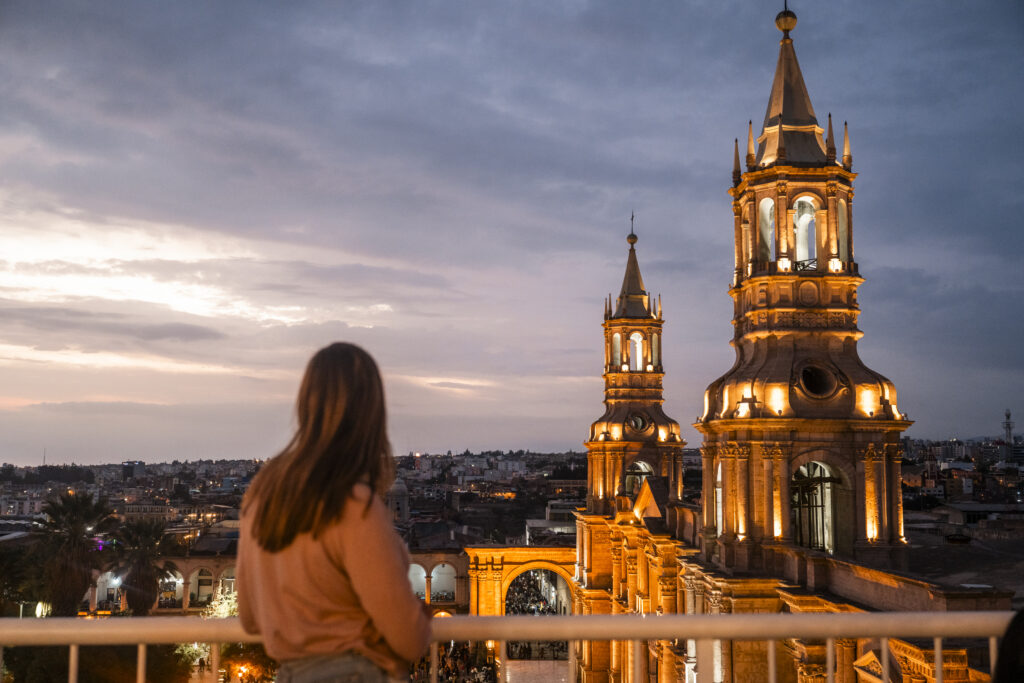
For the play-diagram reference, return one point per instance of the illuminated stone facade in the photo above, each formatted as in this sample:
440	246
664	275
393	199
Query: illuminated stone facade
800	507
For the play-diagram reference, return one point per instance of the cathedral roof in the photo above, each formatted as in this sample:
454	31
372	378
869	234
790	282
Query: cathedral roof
789	110
633	301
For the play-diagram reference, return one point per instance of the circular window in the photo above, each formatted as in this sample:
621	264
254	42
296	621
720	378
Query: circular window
817	381
637	422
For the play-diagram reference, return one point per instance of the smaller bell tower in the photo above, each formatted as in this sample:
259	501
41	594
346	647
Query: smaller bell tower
634	438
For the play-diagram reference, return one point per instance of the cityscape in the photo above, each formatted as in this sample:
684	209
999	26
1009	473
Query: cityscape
793	523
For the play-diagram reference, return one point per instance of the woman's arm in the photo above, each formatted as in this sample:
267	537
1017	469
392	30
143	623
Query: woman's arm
378	567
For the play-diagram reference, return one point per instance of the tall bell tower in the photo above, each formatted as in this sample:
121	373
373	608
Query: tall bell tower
801	439
634	438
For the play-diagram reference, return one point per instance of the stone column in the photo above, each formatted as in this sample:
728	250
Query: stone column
896	476
833	222
782	245
861	497
186	594
882	486
92	597
737	242
631	584
782	465
769	497
499	607
728	495
474	590
426	588
616	552
741	466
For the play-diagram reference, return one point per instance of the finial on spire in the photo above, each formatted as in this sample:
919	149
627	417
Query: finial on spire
751	154
847	157
785	20
631	238
735	162
830	143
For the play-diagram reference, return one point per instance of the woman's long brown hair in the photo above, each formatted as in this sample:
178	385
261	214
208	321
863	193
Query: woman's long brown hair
341	440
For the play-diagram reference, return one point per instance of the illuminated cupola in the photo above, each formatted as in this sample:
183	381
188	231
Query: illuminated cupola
801	439
628	442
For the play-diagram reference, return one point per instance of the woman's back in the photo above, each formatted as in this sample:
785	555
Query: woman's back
345	591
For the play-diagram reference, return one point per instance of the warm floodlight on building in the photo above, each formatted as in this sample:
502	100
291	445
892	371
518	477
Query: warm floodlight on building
785	265
835	265
867	401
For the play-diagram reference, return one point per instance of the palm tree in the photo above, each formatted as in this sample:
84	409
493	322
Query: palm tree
70	548
139	546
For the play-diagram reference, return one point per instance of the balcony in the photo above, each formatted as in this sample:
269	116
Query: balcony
701	637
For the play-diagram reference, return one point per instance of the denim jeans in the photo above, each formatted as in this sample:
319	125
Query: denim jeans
347	667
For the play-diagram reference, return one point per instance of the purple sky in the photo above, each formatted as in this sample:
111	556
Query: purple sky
195	196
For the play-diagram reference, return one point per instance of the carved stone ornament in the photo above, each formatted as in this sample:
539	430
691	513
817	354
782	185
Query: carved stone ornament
870	453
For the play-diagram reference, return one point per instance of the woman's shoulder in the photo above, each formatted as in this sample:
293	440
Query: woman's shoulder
362	500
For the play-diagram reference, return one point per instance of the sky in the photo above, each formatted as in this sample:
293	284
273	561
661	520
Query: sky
196	196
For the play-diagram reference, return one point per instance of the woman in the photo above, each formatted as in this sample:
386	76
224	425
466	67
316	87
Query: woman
322	575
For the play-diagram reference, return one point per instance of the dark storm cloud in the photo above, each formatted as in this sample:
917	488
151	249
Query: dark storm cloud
60	319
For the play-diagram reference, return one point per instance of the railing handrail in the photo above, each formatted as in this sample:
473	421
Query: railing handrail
818	626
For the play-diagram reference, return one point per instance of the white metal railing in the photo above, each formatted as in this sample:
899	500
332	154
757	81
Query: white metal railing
703	629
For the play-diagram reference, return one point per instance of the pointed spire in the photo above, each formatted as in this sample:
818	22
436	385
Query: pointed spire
830	143
789	112
736	162
847	157
633	301
751	153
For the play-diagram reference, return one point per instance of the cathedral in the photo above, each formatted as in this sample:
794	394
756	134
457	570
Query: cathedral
800	502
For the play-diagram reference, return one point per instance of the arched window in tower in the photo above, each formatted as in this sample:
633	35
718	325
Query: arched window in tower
719	521
803	229
843	232
635	475
636	352
616	351
765	229
812	506
655	349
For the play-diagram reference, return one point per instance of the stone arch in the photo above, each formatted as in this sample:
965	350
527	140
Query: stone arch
418	579
443	576
806	231
511	575
842	513
201	585
637	351
226	579
171	595
765	229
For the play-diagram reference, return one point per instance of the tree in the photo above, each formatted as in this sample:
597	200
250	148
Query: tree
70	549
139	547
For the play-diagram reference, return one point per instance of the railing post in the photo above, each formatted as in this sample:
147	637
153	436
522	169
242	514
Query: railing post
638	656
830	660
938	660
884	647
705	660
773	671
572	661
993	656
73	663
215	661
140	665
433	662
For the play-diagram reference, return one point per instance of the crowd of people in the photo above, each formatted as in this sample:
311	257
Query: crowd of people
526	596
459	663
